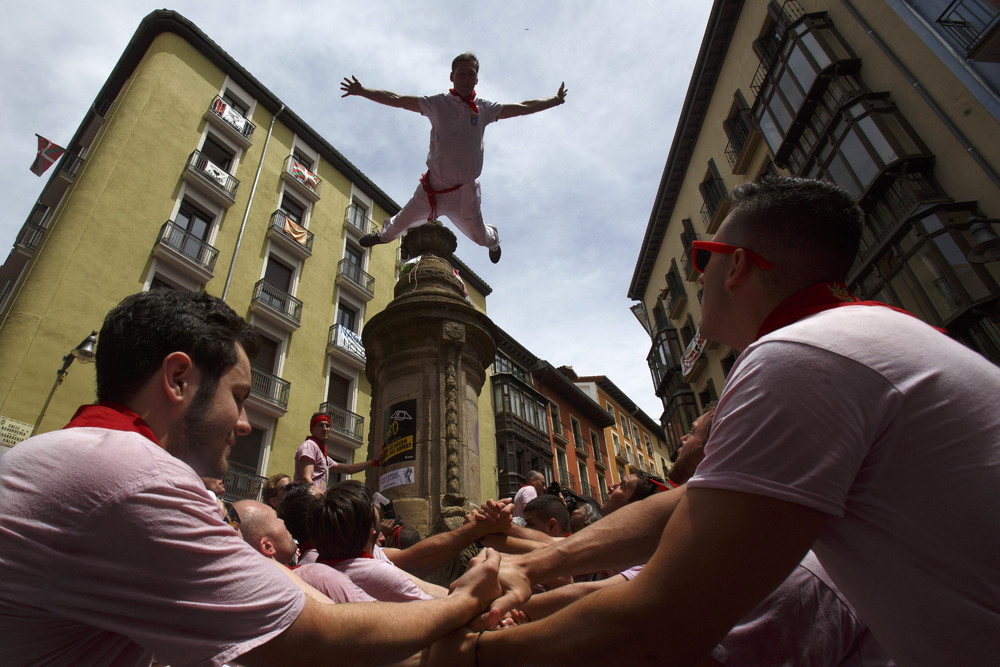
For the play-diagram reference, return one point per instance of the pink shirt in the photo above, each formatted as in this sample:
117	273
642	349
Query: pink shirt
332	583
382	580
112	551
309	452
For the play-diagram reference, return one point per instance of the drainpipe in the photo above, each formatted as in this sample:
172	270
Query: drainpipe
938	111
243	225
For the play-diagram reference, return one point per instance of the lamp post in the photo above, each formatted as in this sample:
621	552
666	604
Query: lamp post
85	353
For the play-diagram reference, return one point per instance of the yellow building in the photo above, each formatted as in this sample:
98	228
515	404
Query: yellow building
898	102
188	173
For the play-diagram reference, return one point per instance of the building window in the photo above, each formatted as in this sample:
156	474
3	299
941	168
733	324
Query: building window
649	445
218	154
577	432
292	209
347	317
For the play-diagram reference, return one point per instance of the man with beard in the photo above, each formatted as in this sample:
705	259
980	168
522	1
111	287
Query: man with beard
112	549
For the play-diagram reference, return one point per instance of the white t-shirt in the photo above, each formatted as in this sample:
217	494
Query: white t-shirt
892	429
524	495
456	149
112	551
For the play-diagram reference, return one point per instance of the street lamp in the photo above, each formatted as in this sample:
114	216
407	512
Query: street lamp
85	353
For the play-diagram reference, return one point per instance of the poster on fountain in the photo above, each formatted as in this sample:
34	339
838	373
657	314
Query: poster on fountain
400	432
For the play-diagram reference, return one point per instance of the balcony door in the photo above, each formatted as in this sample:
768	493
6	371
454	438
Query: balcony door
195	225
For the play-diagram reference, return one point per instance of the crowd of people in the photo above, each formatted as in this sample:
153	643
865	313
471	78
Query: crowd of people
834	507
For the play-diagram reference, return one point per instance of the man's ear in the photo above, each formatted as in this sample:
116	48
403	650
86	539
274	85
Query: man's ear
739	269
179	377
553	525
266	547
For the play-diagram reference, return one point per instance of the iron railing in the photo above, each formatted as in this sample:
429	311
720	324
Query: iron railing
347	340
177	238
344	421
233	118
242	484
292	230
353	272
738	129
713	192
269	387
306	178
968	21
30	236
214	174
278	299
358	218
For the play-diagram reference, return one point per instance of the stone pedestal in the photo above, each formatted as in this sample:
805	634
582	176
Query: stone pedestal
427	355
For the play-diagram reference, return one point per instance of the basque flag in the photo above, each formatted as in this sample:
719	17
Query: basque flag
48	153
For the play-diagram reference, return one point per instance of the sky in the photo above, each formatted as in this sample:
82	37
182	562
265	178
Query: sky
570	189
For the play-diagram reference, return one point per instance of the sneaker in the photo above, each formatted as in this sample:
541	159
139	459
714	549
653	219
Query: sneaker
368	240
494	254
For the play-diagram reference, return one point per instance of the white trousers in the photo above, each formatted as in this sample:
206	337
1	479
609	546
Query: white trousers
462	207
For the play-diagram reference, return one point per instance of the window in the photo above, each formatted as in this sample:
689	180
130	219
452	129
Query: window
584	483
292	209
577	432
595	444
217	154
338	392
649	445
610	409
358	214
193	220
347	317
236	103
246	452
557	428
267	356
709	395
278	274
617	444
303	159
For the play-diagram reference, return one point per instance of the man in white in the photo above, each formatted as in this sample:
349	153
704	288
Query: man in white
113	551
834	413
450	187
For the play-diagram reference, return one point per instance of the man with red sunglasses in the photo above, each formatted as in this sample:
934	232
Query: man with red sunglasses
450	187
831	417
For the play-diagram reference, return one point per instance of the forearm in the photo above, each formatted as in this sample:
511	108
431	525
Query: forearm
618	541
545	604
530	106
347	631
389	98
434	552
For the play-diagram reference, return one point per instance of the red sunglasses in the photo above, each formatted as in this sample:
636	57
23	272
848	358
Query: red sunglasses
703	252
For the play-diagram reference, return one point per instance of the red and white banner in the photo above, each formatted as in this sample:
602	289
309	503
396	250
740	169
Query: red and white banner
48	153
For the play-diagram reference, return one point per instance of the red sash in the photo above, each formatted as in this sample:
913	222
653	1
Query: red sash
425	183
111	416
814	299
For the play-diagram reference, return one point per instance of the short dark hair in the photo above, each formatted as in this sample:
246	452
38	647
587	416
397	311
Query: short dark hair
145	327
647	486
408	536
547	507
809	229
270	488
467	57
340	523
294	510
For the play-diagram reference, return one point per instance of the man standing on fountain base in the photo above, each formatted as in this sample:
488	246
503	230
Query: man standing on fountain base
450	186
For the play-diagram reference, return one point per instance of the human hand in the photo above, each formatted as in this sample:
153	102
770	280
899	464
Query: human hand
351	86
480	580
516	585
561	94
494	516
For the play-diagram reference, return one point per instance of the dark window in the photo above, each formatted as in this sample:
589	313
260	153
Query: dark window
193	220
278	274
292	209
347	317
339	391
217	154
267	356
235	103
246	451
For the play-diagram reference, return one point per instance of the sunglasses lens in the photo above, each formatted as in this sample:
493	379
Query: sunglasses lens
701	258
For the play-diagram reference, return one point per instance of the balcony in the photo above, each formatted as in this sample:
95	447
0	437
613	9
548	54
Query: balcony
975	26
620	455
230	122
242	484
185	252
288	234
211	180
268	393
357	220
276	306
716	203
346	345
585	489
564	477
70	167
354	280
600	460
581	446
559	431
30	237
678	295
303	181
346	427
743	136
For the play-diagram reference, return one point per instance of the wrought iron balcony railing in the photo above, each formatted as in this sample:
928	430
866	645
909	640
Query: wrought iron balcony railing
344	421
233	118
970	22
269	387
177	238
214	174
30	236
292	230
353	272
242	484
358	218
308	181
347	340
278	299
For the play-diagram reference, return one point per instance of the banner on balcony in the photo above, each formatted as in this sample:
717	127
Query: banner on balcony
220	176
295	231
400	432
48	153
692	352
397	477
304	175
230	115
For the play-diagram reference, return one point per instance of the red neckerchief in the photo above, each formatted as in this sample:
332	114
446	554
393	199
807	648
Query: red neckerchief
111	416
322	445
334	562
468	99
815	299
670	484
395	534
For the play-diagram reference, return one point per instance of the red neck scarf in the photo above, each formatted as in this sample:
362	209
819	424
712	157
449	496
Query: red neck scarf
814	299
322	445
111	416
470	100
334	562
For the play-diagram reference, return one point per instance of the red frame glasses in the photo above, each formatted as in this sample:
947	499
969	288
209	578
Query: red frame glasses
702	252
